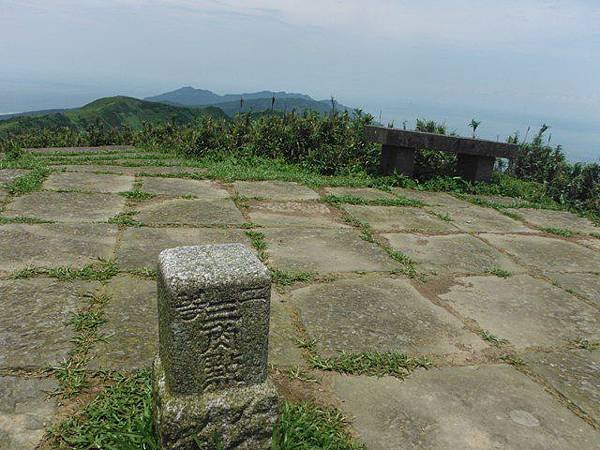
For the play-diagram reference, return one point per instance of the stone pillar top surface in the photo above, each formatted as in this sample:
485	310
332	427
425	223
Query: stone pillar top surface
211	266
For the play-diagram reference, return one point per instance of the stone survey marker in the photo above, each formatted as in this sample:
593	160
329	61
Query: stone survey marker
210	381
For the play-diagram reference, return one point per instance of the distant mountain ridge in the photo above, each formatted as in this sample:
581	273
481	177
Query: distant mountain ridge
250	102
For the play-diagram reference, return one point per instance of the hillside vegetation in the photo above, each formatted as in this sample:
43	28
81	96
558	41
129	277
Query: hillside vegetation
109	113
333	144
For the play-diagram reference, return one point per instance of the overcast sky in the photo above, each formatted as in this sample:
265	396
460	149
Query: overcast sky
509	63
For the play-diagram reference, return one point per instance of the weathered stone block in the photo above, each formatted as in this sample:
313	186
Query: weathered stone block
236	418
211	372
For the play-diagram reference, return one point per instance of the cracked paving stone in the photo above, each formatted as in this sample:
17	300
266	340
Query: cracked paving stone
456	253
399	218
477	219
478	407
585	284
575	374
547	254
275	190
363	193
202	189
379	315
283	351
33	330
545	218
130	335
26	411
89	182
325	250
293	214
190	212
526	311
53	245
432	198
66	207
140	246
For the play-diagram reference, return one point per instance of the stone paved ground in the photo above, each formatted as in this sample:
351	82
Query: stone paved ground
507	313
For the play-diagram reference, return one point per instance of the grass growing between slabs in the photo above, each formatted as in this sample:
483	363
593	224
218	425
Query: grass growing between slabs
101	271
120	417
371	363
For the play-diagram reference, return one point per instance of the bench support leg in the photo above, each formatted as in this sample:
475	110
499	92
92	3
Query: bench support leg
397	159
475	168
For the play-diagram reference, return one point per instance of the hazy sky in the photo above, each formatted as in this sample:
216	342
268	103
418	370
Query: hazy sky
509	63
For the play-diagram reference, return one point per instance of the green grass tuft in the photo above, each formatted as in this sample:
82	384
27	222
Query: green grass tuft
586	344
27	220
126	219
558	231
93	272
371	363
285	278
305	426
28	183
353	200
118	418
499	272
492	339
259	243
137	194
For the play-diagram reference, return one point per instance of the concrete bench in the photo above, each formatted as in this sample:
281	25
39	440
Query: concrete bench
476	157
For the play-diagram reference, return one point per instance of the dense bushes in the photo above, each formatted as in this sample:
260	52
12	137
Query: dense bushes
575	184
331	145
335	145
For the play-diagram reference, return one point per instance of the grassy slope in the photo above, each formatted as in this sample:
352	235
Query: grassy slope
110	111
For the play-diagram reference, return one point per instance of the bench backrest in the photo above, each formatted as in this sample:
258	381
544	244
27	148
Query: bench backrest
453	144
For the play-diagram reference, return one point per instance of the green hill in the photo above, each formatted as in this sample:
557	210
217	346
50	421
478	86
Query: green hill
110	112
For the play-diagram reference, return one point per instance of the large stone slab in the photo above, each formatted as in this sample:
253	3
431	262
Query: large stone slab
457	253
26	411
178	187
52	245
363	193
548	254
130	336
96	168
545	218
283	350
33	329
477	219
431	198
379	314
89	182
584	284
140	246
191	212
526	311
67	207
325	251
575	374
294	214
394	218
169	170
10	175
3	195
489	407
274	190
